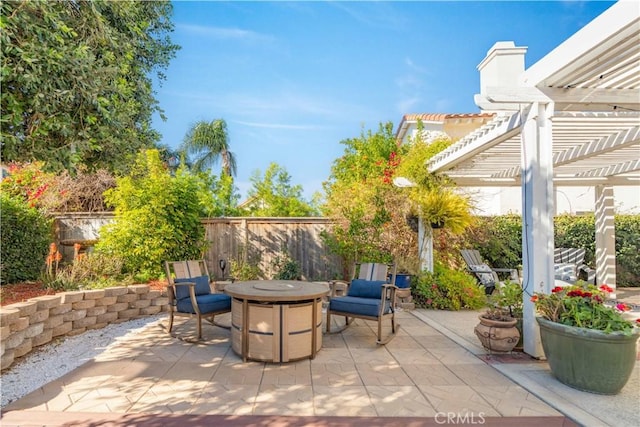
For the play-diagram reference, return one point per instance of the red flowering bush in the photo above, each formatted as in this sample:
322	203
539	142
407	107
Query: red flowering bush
583	307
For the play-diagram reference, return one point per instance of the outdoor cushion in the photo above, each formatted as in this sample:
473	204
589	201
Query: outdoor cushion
206	303
565	271
480	268
485	274
202	286
366	288
357	305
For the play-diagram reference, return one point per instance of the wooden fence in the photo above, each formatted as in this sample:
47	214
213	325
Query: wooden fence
258	241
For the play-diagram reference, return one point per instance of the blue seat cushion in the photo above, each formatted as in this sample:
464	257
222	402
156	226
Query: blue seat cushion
202	286
357	306
206	303
366	288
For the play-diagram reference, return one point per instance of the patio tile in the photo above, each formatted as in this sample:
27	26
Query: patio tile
455	355
47	398
169	396
402	341
284	400
479	375
104	399
458	399
346	401
356	330
432	374
402	401
413	356
435	341
333	341
377	355
513	400
205	353
361	341
226	399
249	373
191	371
383	375
333	355
287	374
335	375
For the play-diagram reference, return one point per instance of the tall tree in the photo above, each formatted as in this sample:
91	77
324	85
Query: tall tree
208	142
77	79
273	195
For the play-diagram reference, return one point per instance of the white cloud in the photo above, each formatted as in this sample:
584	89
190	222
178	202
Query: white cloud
277	125
374	14
406	105
225	33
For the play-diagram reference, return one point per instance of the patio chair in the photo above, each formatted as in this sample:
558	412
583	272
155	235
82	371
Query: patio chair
569	265
369	295
486	275
190	295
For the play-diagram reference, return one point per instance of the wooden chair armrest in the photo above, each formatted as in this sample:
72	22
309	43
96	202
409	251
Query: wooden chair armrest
389	292
192	294
338	288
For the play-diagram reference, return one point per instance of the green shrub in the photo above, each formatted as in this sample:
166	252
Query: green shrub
628	250
157	217
26	234
503	244
286	268
499	240
576	231
447	289
242	271
88	271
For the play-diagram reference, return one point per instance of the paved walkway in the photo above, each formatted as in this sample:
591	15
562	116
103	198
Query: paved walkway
434	371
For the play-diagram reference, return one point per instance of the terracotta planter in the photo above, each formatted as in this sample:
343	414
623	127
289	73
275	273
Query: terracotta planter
497	335
588	359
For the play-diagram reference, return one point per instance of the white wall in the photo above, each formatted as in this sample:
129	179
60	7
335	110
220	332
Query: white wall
504	200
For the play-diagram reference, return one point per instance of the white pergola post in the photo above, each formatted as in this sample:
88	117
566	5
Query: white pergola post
605	237
425	245
537	214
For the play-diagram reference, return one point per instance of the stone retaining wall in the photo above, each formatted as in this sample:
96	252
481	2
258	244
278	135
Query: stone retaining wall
27	325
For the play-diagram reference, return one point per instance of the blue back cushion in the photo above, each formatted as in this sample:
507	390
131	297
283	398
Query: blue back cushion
202	286
366	288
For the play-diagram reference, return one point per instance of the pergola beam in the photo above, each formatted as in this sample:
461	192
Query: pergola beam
476	142
615	141
584	99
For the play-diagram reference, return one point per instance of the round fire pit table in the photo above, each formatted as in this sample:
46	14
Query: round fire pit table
276	320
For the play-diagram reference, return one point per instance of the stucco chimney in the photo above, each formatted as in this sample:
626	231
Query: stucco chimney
502	66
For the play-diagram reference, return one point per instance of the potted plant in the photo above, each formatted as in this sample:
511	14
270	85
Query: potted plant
589	345
509	298
497	330
407	266
443	207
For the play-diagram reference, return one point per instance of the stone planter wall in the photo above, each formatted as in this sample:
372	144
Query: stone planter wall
27	325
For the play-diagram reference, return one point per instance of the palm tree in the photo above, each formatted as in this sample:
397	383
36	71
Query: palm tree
207	142
173	158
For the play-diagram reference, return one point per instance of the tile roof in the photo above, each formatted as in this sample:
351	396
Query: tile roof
439	117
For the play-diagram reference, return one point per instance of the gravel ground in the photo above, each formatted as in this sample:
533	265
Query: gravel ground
57	358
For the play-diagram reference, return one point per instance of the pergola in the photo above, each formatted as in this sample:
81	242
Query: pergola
573	118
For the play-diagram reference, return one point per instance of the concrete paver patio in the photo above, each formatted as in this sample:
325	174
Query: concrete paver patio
421	377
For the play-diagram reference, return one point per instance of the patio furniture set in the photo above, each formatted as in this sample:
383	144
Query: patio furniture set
281	320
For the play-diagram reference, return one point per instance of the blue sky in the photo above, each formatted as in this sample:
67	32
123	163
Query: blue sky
293	79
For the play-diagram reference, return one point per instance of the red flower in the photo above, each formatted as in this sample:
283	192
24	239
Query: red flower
606	288
534	298
556	289
623	307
